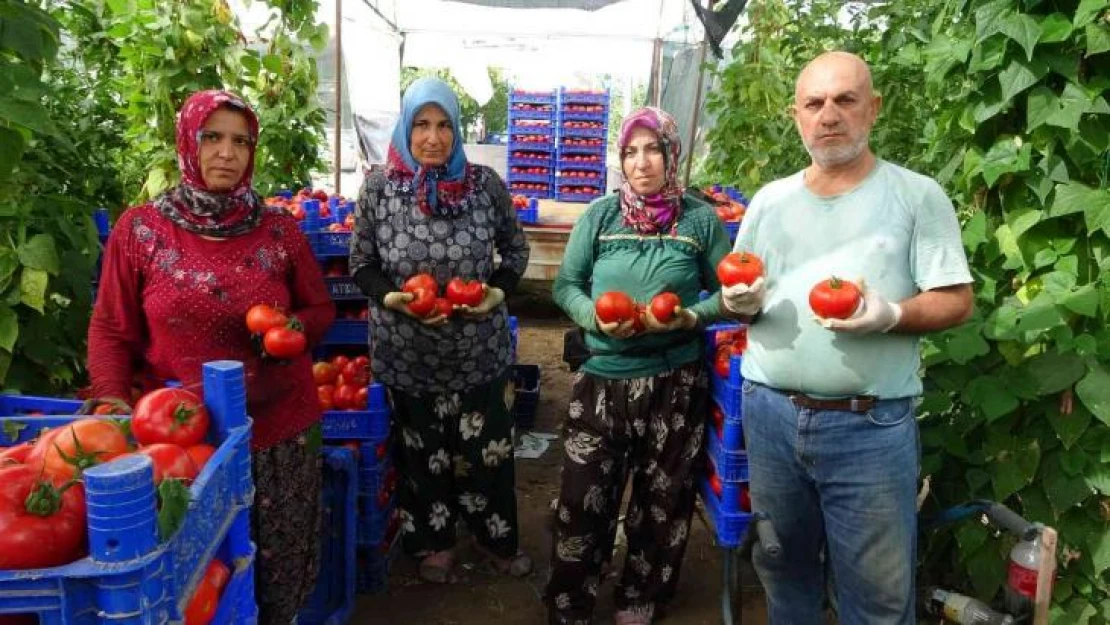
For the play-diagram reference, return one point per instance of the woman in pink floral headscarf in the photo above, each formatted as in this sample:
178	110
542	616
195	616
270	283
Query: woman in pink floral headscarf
179	275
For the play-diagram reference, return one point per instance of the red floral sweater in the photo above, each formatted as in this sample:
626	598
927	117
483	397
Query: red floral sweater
170	301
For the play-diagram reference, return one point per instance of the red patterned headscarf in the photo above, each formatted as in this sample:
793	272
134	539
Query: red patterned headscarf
659	212
191	204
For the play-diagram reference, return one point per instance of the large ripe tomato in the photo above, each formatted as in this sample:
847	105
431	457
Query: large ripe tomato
614	306
345	397
663	305
423	302
325	394
72	448
37	527
263	317
355	374
202	605
464	292
17	454
170	415
200	454
284	343
339	361
362	398
170	461
421	281
444	307
834	298
324	373
739	267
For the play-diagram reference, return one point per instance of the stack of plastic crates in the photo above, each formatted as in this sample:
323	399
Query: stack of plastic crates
731	196
130	576
532	143
724	487
583	133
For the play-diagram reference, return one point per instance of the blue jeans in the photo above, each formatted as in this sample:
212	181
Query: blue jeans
840	481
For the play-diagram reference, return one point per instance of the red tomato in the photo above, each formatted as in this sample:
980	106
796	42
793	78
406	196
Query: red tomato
834	298
356	375
663	305
363	361
263	317
381	450
67	450
340	361
170	415
464	292
345	397
423	302
739	267
421	281
170	461
217	574
721	361
37	528
715	484
745	499
362	398
614	306
325	393
202	606
444	307
200	454
17	454
324	373
284	343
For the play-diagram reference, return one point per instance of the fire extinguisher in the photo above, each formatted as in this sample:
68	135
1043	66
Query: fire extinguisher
1021	579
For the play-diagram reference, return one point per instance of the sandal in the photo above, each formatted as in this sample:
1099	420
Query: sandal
517	565
437	568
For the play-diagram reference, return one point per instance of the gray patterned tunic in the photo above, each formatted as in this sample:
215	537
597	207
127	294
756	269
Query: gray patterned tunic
392	233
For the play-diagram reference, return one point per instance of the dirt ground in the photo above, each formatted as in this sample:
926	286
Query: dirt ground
482	597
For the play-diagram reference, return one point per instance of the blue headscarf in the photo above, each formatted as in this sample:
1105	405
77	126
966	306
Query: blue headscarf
443	189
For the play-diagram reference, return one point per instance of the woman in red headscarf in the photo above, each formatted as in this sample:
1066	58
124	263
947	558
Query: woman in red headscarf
178	277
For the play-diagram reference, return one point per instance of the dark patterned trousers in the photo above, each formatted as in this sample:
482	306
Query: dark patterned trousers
286	519
653	427
454	453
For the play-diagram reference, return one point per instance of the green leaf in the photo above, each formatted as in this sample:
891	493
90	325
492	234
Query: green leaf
1099	544
1083	301
5	365
1098	477
975	231
991	396
1087	11
11	150
1053	371
986	574
1078	198
1073	461
1019	76
1004	157
40	253
30	115
32	288
1098	38
174	498
971	536
1069	428
988	18
989	55
9	264
1094	391
1023	29
1064	491
966	343
9	328
1055	28
1074	102
272	62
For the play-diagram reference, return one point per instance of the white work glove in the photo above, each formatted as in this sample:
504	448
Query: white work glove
616	329
491	298
874	314
684	319
398	301
744	299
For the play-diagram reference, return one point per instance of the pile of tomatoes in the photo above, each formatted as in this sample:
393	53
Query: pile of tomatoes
618	307
342	382
279	335
728	343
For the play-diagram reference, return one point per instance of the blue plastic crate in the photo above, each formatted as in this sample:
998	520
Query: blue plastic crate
344	289
583	116
532	129
325	243
371	424
526	396
534	193
583	133
332	601
377	477
14	405
576	197
731	463
545	161
540	178
515	114
581	182
564	165
570	97
728	527
527	146
731	431
599	150
374	563
374	526
727	392
347	332
545	97
528	215
128	573
732	228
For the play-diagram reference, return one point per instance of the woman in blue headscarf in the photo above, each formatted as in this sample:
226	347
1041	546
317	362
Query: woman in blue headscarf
432	212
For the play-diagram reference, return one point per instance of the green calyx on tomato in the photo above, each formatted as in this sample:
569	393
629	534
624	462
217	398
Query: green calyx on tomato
45	498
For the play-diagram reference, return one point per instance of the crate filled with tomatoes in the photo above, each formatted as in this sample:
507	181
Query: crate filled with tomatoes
109	516
730	205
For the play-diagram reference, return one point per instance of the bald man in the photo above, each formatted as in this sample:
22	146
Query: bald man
829	404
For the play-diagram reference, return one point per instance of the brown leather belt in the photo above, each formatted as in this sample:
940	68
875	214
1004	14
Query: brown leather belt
859	403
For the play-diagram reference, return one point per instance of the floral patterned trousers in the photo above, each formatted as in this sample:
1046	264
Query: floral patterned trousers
655	428
455	459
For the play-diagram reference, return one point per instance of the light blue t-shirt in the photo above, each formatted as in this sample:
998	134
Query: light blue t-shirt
897	230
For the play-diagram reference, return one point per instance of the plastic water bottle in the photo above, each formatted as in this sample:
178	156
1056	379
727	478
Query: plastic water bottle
962	610
1021	578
